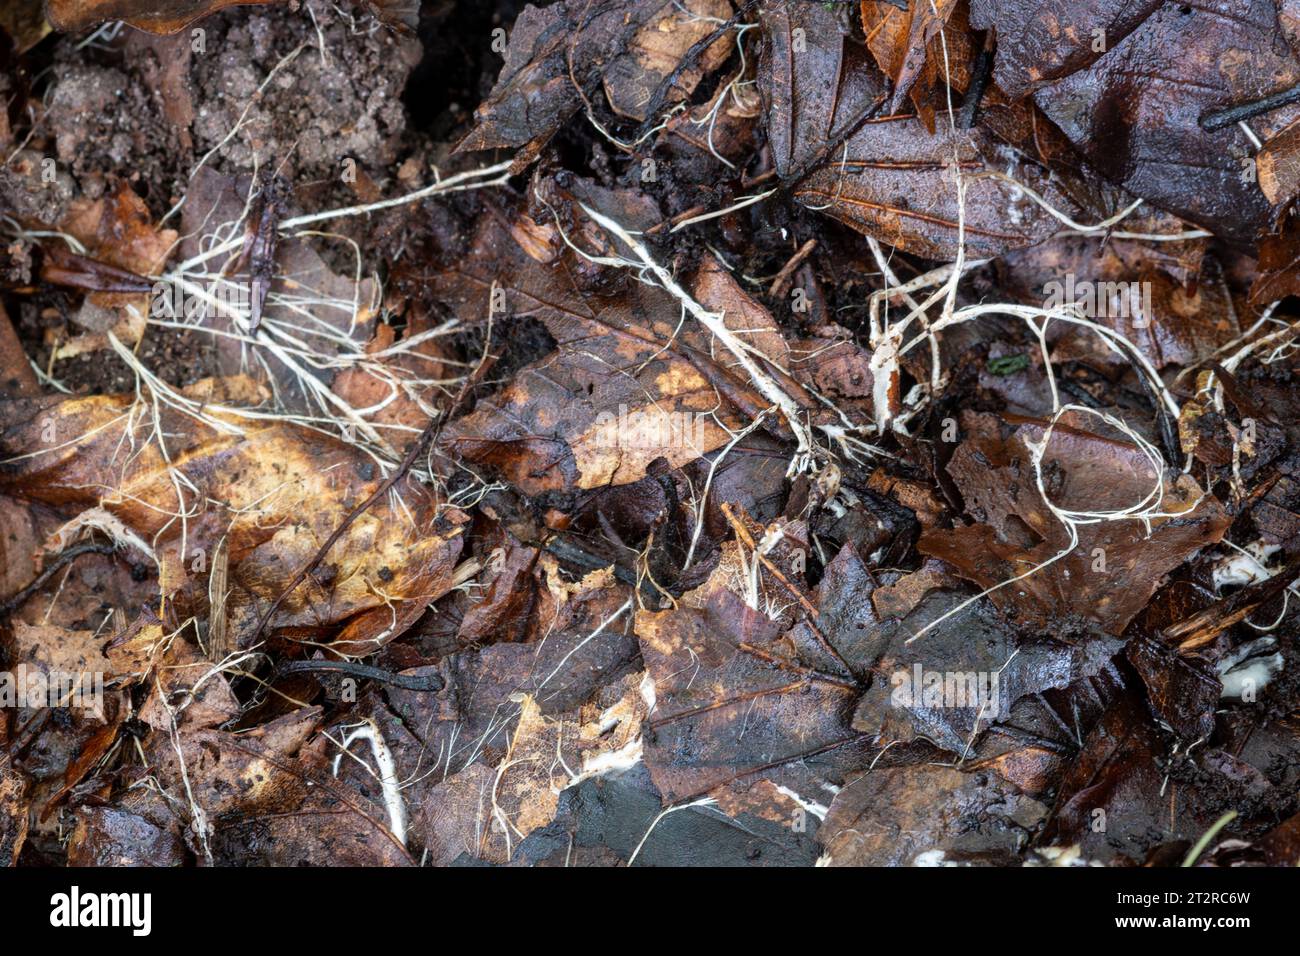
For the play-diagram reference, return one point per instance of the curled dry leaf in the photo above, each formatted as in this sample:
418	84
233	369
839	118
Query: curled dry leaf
913	49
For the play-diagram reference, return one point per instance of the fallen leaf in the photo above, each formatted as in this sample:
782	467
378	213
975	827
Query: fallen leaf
886	175
1135	113
1105	578
928	816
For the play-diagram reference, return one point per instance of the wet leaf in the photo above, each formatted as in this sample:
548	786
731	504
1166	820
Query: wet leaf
624	388
928	815
274	493
1105	578
559	54
1038	43
1135	113
885	175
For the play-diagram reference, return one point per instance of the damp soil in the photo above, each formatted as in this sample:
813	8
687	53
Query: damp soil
376	104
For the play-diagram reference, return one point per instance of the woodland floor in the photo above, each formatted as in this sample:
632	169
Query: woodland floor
650	432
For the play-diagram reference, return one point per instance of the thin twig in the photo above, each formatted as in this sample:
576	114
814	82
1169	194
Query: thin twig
430	682
65	558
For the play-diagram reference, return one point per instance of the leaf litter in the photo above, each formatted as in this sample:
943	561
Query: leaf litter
616	434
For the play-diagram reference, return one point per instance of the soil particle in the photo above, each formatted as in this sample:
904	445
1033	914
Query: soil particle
321	107
107	124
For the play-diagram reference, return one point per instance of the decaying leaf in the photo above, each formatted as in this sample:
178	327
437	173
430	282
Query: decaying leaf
13	813
1040	42
723	433
886	174
1116	283
630	382
274	493
560	53
1107	575
915	52
1135	112
928	816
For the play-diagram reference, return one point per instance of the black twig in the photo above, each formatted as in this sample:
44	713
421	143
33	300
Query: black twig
1218	119
981	73
428	682
62	560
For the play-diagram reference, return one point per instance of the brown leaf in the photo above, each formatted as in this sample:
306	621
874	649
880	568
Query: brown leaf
895	182
927	815
624	387
737	700
657	49
1135	113
107	836
907	46
1039	42
949	684
1278	165
559	54
1279	263
17	379
818	85
70	16
886	175
25	22
119	232
1015	531
453	818
1118	284
1117	779
13	812
274	493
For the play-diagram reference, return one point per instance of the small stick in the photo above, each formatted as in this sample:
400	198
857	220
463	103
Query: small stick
779	283
82	272
430	682
981	73
748	540
687	214
758	180
1218	119
777	661
65	558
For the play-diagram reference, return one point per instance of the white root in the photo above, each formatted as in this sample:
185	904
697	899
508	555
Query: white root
387	775
804	453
